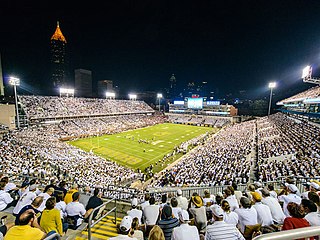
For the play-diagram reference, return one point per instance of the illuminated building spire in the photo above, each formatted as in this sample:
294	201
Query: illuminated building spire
58	36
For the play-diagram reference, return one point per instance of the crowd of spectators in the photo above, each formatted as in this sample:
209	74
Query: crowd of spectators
55	107
199	120
313	92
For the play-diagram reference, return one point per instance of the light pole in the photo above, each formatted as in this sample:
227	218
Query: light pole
159	95
272	85
15	82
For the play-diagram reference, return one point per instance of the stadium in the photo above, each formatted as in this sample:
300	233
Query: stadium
128	150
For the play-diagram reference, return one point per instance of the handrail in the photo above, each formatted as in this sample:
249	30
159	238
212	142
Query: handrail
291	234
53	236
90	224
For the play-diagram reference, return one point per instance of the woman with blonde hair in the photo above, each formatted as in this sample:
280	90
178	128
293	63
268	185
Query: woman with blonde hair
156	233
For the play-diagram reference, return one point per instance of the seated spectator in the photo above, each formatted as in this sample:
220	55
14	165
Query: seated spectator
124	229
51	220
275	208
46	195
314	197
68	196
263	211
85	196
198	211
167	223
61	205
247	214
237	193
94	202
230	197
207	199
296	218
135	230
220	229
229	216
164	199
311	212
291	197
28	228
6	200
4	229
75	212
156	233
34	206
134	212
26	199
185	231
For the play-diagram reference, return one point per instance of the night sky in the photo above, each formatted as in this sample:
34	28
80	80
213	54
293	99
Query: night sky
232	45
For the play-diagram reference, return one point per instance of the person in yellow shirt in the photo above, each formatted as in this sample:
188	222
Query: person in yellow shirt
51	218
68	197
28	229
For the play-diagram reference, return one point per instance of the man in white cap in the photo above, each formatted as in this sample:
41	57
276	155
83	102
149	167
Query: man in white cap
219	229
134	212
124	229
185	231
182	201
291	197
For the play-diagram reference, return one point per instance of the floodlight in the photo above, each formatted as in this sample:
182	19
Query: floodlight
14	81
110	94
272	85
132	96
306	72
159	95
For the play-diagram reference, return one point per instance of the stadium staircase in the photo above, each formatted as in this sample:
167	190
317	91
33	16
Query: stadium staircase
104	229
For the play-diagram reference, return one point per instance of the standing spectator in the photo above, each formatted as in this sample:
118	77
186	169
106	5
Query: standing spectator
198	212
146	201
151	214
221	230
185	231
28	228
167	222
134	212
175	208
182	201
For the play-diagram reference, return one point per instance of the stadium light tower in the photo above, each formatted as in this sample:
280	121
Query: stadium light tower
133	97
110	95
272	85
66	92
159	96
306	76
15	82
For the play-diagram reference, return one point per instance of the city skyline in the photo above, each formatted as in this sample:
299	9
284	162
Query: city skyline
232	46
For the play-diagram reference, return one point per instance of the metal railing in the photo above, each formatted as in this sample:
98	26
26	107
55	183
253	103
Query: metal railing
53	236
306	232
90	224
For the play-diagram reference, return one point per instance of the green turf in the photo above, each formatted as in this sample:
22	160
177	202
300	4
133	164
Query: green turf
125	149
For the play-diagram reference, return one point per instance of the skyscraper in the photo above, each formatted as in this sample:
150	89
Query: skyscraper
58	58
83	83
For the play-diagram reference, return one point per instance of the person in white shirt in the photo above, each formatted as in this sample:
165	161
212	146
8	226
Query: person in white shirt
229	216
76	210
247	214
146	201
263	211
26	198
134	212
151	213
5	198
61	205
229	196
311	211
124	229
207	199
185	231
175	208
182	201
221	230
291	197
46	195
275	207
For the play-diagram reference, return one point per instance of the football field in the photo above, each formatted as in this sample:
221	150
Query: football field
141	147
